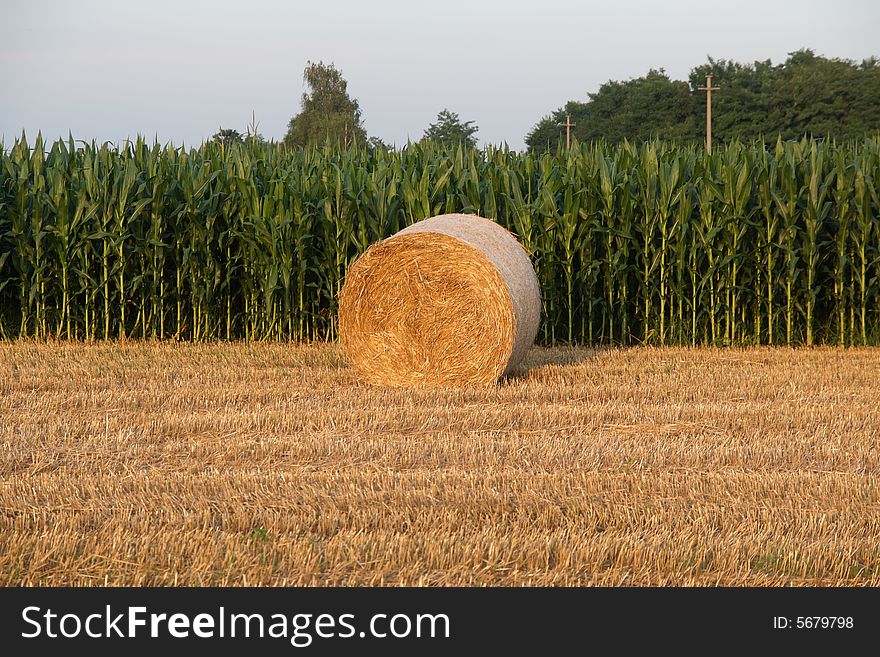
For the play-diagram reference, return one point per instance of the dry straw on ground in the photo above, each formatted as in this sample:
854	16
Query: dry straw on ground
212	464
452	300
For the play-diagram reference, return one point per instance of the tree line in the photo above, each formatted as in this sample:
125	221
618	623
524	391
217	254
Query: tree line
806	95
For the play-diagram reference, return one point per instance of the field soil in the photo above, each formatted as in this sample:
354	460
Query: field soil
141	463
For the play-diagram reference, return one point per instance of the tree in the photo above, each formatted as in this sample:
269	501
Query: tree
328	113
805	95
548	134
227	137
377	144
642	108
449	130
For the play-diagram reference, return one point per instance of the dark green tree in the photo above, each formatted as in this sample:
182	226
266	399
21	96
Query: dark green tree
805	95
328	112
642	108
376	144
548	134
227	137
449	130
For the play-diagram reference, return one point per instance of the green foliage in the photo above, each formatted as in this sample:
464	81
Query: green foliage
656	243
375	144
549	134
227	136
328	113
449	131
644	108
805	95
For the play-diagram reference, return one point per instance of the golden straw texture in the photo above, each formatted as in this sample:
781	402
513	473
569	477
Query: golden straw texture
452	300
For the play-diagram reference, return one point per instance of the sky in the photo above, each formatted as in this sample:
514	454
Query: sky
177	70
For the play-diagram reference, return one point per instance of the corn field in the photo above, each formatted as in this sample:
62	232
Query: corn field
652	243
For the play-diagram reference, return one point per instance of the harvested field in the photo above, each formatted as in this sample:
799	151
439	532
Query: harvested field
255	464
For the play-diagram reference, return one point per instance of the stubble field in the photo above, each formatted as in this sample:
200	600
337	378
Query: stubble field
145	463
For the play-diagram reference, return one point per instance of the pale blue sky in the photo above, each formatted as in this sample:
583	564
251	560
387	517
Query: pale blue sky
178	69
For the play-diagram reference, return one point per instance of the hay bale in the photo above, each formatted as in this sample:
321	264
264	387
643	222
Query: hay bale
451	300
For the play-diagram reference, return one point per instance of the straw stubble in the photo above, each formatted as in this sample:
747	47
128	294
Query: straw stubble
213	464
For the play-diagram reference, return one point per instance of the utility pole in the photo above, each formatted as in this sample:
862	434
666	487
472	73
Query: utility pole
568	126
709	89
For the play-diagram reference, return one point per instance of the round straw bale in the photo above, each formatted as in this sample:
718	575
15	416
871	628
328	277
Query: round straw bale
451	300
